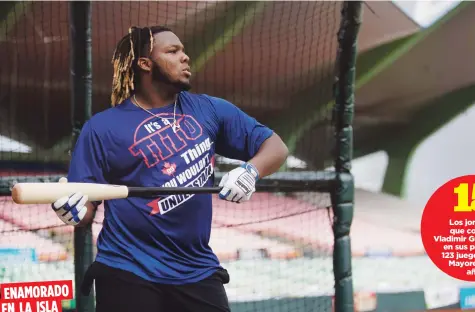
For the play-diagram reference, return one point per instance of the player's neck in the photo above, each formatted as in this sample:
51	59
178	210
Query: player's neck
149	98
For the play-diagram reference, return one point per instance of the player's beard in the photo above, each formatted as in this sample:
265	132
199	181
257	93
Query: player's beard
160	75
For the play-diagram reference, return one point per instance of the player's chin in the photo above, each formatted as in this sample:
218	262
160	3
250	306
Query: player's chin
185	84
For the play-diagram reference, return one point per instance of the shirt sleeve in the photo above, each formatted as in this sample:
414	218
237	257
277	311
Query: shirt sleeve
88	162
240	136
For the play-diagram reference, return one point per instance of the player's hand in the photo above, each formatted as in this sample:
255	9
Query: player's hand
239	184
70	209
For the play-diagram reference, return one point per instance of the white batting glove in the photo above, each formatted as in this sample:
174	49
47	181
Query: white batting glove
239	184
70	209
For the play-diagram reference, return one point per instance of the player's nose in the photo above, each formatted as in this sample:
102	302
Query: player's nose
185	58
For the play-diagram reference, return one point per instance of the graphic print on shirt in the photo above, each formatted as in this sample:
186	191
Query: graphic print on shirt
156	143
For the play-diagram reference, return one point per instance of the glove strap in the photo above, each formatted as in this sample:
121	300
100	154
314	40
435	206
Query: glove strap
251	169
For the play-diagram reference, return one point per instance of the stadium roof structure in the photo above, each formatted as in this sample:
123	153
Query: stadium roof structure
406	89
416	84
409	88
37	76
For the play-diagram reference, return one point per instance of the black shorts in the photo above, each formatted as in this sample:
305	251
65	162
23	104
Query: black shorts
122	291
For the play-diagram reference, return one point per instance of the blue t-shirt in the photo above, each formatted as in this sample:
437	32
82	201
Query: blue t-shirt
163	239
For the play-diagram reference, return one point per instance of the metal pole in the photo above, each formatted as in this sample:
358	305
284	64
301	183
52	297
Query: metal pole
342	195
81	100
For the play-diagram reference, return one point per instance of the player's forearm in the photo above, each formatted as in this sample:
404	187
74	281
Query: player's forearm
271	156
89	216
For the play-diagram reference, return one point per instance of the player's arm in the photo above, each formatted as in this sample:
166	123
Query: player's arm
244	138
87	165
89	216
271	156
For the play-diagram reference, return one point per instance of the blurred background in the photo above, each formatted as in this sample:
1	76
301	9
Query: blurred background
414	96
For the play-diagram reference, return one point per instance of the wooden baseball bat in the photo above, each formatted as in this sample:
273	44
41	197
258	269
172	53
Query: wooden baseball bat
47	193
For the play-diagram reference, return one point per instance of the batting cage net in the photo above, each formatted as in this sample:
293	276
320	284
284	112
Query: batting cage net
274	60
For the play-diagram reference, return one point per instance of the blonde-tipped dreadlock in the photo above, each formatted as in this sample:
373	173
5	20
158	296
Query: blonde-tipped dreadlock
127	51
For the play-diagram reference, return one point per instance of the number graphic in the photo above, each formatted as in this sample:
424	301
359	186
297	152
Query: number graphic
462	198
448	255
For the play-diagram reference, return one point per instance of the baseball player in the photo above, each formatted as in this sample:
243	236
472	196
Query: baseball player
153	253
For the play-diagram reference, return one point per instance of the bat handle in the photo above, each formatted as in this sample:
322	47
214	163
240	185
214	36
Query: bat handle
154	191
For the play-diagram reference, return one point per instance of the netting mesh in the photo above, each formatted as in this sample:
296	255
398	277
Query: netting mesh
275	60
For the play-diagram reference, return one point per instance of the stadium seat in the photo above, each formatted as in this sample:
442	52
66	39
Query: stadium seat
45	249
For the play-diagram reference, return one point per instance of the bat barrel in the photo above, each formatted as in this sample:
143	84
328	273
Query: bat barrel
47	193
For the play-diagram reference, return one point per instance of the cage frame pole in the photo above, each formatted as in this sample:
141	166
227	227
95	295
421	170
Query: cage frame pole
80	39
342	192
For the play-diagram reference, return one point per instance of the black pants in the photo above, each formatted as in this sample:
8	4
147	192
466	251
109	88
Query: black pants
122	291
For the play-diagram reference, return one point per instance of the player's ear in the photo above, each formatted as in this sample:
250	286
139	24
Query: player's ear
144	64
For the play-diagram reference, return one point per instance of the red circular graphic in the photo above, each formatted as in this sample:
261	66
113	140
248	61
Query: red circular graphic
448	228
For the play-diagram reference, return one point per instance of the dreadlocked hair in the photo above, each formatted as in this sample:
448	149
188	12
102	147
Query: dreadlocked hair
124	60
